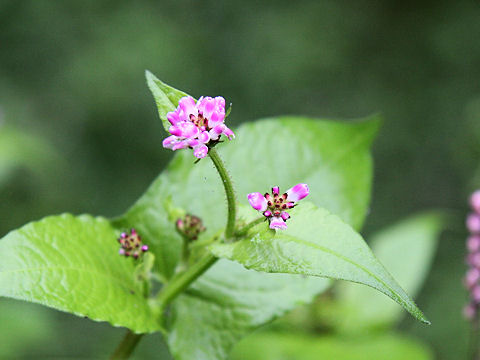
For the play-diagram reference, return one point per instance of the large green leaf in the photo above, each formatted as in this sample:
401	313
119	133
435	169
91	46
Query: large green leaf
72	264
406	249
332	157
320	244
272	346
166	97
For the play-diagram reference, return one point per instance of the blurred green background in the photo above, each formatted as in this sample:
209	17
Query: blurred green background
84	134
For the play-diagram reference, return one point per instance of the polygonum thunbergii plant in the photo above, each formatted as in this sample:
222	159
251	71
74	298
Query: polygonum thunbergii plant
203	313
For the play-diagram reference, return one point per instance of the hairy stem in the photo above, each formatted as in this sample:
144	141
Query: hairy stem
126	347
243	231
227	184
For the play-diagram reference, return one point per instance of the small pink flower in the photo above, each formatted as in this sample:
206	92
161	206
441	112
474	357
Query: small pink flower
475	294
469	311
197	125
473	243
473	223
273	205
475	201
472	277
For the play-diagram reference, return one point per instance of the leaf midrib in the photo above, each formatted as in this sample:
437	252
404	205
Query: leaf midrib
346	259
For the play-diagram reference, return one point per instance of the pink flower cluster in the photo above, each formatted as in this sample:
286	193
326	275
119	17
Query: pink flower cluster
196	125
273	205
472	277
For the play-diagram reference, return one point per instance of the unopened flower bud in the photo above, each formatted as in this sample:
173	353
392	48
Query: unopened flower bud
190	226
131	244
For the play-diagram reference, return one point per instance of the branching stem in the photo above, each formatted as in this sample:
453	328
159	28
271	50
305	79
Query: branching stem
243	231
182	280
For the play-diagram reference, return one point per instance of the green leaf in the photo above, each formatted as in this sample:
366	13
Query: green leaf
335	162
272	346
227	303
166	97
72	264
406	249
320	244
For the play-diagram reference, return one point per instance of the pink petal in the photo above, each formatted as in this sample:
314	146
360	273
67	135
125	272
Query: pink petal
206	106
173	117
193	142
215	119
298	192
200	151
285	215
216	132
189	129
170	141
181	144
258	201
175	130
229	133
204	137
277	223
220	102
187	104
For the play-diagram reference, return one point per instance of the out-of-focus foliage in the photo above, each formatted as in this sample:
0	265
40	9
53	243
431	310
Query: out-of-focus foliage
302	347
73	72
32	327
22	151
406	249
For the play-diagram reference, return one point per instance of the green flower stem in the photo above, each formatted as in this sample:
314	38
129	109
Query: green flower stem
182	281
243	231
126	347
227	184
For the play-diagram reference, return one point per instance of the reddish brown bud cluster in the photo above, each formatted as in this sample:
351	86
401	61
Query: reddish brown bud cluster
131	244
190	226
